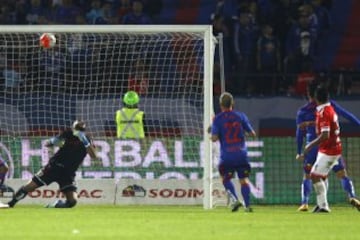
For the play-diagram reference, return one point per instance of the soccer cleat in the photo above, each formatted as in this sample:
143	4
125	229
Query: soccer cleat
355	202
322	210
3	205
53	205
12	203
248	209
315	209
303	208
235	206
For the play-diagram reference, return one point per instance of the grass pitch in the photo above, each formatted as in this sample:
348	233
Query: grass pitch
175	222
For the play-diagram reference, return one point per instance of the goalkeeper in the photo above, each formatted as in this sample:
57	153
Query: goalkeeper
130	119
74	146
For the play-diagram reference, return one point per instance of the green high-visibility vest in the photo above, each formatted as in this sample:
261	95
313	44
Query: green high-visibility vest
129	123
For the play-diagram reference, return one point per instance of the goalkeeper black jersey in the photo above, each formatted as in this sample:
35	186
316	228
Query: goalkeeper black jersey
72	151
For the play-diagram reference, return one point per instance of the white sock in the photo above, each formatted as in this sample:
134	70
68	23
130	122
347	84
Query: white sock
326	181
321	194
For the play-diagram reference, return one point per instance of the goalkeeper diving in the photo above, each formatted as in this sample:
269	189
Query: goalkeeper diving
74	144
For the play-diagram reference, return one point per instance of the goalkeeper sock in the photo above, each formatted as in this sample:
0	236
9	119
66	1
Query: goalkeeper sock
245	192
348	186
229	186
305	191
20	194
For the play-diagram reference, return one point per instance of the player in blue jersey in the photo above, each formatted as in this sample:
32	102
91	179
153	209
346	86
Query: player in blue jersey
230	128
4	168
74	145
305	121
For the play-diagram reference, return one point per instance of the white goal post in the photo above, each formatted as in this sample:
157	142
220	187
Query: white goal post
85	75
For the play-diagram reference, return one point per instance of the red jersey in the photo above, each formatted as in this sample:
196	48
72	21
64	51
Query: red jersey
327	120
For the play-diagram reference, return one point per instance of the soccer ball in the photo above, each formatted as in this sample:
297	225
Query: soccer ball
47	40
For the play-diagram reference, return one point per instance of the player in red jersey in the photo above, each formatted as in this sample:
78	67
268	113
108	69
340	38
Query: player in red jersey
330	149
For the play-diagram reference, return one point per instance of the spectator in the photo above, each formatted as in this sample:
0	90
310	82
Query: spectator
95	12
124	9
136	16
21	10
52	68
307	10
300	48
303	79
323	16
7	13
65	13
109	14
35	13
152	7
244	42
139	79
14	73
226	9
219	26
267	61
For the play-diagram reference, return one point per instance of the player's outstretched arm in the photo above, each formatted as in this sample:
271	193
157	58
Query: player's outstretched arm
54	141
344	113
91	151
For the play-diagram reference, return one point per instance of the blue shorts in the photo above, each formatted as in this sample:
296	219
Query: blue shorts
227	170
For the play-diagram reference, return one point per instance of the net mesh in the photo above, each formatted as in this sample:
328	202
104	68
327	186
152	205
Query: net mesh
84	76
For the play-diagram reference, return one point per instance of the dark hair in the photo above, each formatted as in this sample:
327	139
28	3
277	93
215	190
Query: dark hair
311	88
322	94
226	100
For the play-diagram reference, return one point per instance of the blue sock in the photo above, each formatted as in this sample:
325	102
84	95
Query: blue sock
305	191
229	186
2	178
348	186
245	191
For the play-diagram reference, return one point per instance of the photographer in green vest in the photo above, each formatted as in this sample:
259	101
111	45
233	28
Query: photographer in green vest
129	119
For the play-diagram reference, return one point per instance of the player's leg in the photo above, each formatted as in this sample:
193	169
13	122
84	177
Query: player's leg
306	185
22	192
319	172
346	183
243	175
226	174
3	171
43	177
68	187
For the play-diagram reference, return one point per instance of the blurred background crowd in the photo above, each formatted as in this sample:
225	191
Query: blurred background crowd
271	47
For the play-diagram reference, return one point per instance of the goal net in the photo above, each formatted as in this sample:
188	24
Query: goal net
85	75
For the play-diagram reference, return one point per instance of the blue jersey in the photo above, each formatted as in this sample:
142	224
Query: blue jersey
308	113
230	127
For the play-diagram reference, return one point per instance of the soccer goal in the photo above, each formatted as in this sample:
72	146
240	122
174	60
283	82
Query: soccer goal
84	76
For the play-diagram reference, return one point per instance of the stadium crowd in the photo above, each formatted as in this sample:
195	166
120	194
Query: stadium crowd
271	47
